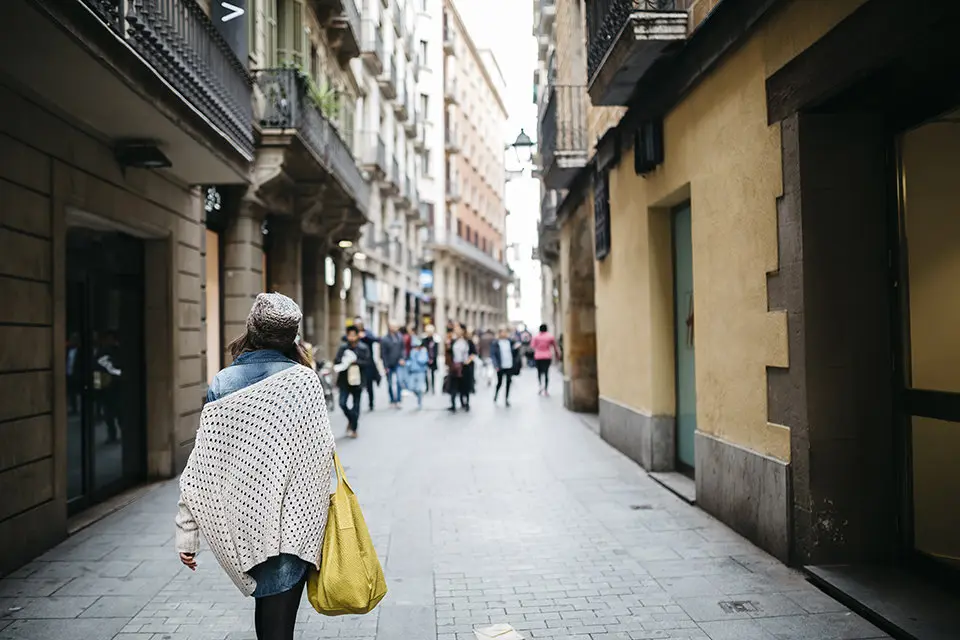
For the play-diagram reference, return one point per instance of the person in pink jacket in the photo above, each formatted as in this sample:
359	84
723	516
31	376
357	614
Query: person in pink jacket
544	347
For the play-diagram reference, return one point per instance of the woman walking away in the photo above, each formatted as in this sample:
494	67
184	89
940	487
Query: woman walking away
432	343
257	484
458	358
469	368
417	365
544	347
505	356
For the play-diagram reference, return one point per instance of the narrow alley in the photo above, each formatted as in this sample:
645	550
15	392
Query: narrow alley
520	515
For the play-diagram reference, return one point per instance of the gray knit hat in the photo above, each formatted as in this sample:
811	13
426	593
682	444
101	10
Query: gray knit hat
274	320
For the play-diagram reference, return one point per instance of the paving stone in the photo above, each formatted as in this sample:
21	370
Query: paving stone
116	607
88	629
45	608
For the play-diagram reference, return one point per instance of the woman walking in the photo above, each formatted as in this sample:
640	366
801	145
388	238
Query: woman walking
460	355
544	347
257	484
417	363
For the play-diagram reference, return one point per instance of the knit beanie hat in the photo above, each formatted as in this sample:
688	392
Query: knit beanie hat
274	320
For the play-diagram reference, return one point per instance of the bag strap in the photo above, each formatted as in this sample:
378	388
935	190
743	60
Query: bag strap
341	474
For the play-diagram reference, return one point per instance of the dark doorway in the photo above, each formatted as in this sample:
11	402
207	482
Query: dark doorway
106	437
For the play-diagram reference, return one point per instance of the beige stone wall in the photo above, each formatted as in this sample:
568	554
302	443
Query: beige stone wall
47	167
479	121
722	156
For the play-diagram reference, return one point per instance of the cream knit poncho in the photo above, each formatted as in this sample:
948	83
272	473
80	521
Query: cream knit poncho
257	483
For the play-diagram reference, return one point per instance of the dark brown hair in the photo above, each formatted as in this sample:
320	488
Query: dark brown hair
244	343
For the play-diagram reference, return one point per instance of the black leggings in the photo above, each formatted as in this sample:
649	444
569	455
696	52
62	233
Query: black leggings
543	372
501	376
276	616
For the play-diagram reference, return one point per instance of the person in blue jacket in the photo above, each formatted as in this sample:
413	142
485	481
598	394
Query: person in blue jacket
417	365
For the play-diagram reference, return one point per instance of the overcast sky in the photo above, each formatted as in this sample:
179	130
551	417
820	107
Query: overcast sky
505	26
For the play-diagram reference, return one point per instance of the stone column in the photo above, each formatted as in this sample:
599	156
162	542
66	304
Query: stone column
242	269
580	388
336	310
286	258
315	301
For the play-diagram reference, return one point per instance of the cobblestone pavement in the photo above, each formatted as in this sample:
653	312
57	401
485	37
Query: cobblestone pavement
518	515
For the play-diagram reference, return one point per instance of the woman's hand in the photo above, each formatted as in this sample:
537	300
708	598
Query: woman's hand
189	560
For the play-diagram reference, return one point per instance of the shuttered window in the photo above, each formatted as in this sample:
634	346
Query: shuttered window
270	33
601	213
291	35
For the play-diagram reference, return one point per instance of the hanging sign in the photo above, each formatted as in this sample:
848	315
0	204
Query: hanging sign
230	19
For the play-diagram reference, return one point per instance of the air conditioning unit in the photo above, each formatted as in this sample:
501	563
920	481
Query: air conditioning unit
648	147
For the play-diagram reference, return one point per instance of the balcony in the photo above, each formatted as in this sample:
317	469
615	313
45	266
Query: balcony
371	46
401	106
137	70
420	137
451	140
343	27
548	14
468	251
449	38
311	150
548	232
410	125
453	191
404	198
450	94
388	80
563	135
390	186
624	39
373	154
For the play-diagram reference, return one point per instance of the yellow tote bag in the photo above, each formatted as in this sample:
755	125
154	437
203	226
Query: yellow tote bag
350	579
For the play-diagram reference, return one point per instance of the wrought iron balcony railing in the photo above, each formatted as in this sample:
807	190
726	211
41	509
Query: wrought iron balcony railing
288	106
178	39
606	22
563	128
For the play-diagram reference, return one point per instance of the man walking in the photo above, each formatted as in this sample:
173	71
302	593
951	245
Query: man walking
371	375
505	355
391	352
353	358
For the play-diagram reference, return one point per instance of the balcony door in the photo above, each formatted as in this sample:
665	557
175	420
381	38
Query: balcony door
685	353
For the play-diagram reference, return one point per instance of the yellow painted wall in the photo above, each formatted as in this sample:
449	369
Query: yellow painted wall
721	154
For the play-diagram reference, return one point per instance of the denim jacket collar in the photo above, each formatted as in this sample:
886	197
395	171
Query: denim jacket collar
261	356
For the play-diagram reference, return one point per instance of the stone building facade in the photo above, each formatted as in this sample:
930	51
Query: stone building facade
145	199
468	249
765	224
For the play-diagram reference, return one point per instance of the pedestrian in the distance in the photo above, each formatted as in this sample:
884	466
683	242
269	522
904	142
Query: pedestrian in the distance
433	350
371	373
505	356
257	483
484	348
544	347
417	365
459	356
351	364
391	352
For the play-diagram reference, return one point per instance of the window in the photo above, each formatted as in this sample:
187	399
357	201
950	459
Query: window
290	43
601	215
469	233
460	228
426	166
251	27
424	105
423	5
270	46
423	52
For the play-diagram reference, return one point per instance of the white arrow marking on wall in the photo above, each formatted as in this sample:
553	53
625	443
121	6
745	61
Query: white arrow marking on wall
235	11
